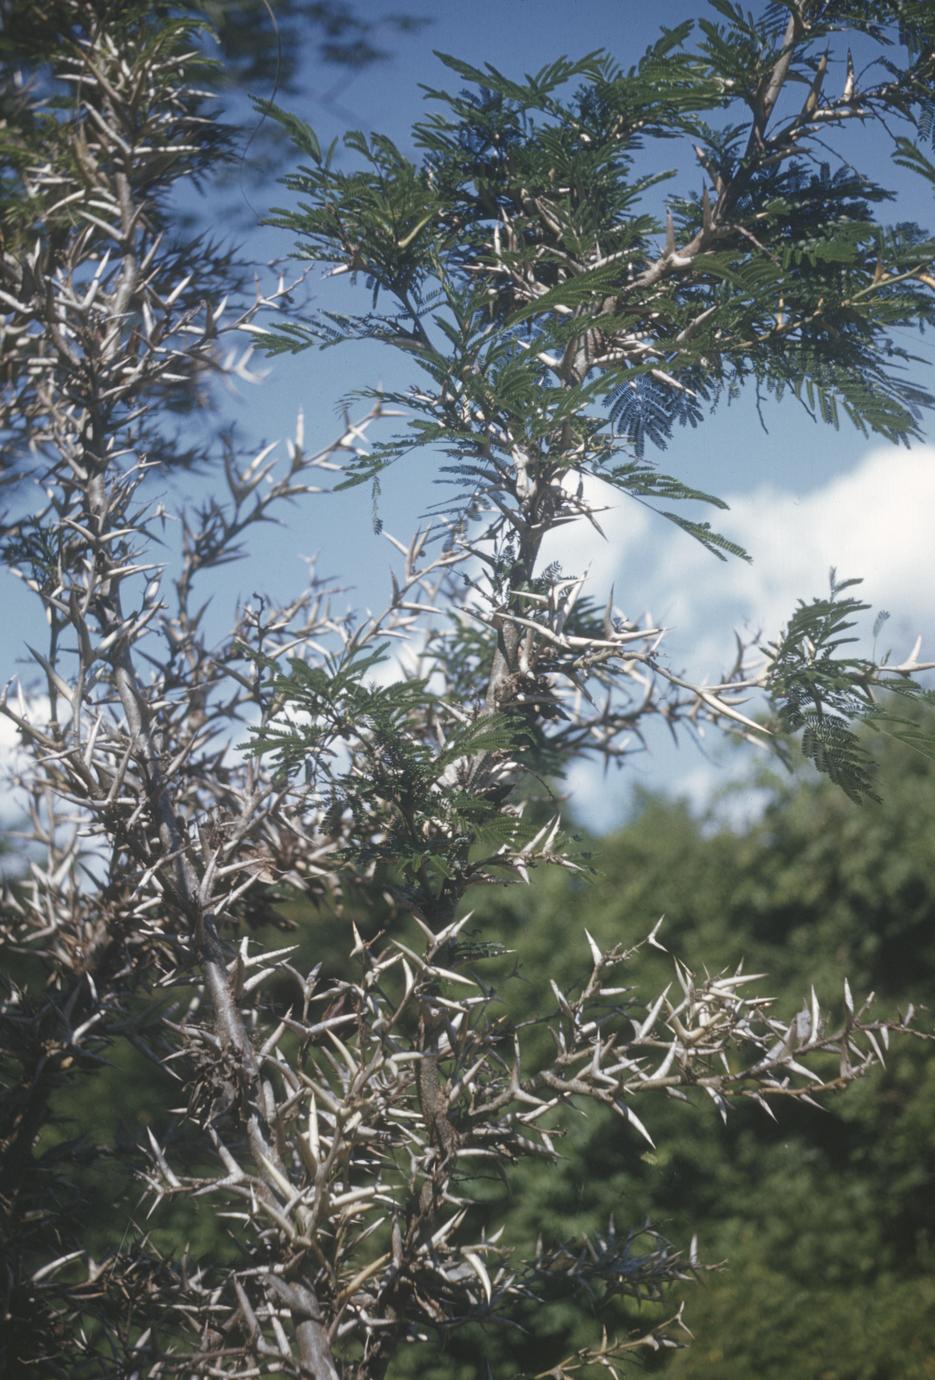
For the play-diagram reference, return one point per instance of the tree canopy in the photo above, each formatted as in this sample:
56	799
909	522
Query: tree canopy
278	868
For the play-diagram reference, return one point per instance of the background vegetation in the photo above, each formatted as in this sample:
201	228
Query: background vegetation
826	1218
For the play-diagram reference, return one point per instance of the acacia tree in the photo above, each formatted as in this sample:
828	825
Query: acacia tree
343	1118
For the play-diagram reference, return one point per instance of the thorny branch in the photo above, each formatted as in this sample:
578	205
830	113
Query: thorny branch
340	1115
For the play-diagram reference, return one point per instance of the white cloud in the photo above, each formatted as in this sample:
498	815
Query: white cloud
14	758
877	522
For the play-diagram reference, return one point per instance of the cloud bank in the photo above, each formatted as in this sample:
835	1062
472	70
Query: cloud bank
877	522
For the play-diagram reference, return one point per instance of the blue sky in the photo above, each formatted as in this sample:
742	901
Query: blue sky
804	497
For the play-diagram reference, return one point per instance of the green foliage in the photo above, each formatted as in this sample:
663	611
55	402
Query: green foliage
408	799
551	313
785	294
825	695
824	1219
643	481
